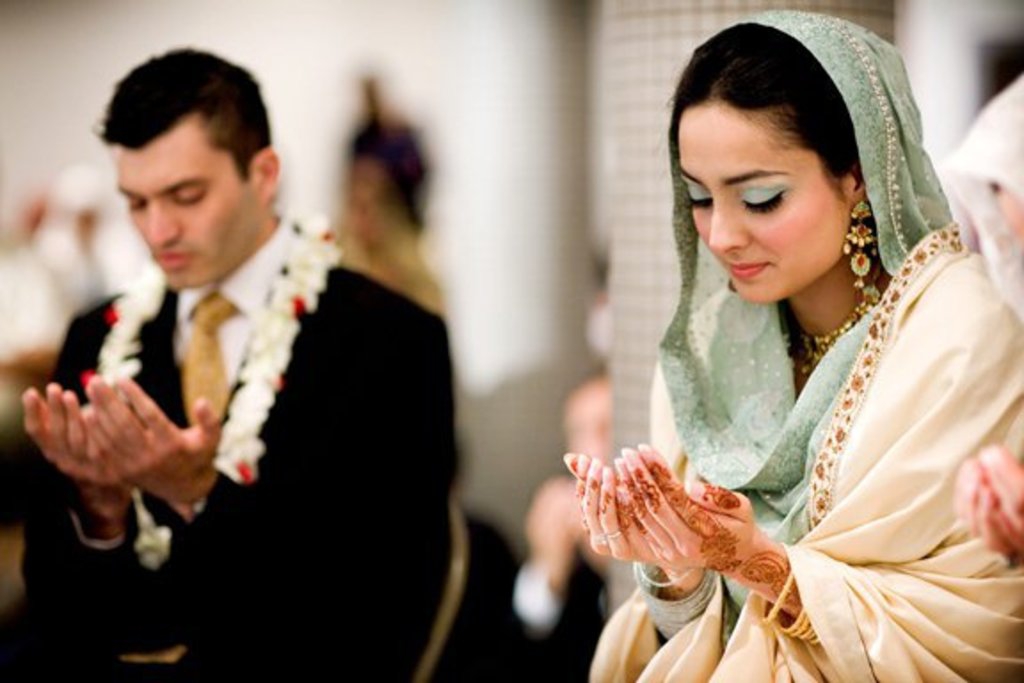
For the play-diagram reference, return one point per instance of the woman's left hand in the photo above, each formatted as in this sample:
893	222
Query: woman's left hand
702	524
728	539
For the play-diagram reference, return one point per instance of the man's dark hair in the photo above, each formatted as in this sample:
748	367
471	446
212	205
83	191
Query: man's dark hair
761	69
151	99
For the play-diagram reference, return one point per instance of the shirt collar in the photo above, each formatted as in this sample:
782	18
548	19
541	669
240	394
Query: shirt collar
248	286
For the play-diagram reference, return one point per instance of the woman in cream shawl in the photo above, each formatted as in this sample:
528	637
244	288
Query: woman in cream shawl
824	396
986	174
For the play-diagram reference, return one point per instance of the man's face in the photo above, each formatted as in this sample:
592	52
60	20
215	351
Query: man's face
199	217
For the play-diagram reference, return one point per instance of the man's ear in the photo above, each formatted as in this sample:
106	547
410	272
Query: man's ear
264	174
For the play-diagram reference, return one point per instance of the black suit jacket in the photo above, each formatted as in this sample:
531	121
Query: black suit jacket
346	530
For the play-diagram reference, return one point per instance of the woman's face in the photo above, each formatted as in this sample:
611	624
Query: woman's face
767	209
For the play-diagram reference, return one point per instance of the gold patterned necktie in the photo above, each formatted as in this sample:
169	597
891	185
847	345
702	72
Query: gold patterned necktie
203	374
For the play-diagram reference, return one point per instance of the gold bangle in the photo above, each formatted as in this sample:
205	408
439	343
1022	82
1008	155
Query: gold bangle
802	629
787	588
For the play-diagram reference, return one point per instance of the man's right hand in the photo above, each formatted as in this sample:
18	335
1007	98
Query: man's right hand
57	424
552	525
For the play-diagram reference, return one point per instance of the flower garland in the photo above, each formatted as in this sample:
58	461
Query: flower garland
294	293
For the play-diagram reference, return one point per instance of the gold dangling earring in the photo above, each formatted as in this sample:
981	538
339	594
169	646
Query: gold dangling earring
861	246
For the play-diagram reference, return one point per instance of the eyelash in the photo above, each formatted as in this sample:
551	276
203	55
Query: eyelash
766	207
188	200
763	207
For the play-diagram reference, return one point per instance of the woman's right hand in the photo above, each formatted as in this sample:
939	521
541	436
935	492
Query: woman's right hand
989	498
608	511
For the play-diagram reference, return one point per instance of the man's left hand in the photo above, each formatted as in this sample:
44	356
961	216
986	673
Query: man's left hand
149	450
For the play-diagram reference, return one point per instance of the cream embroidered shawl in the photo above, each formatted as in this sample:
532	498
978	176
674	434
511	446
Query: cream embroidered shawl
893	584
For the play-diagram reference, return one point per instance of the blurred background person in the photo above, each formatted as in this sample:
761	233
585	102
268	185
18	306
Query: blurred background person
66	251
559	593
985	175
33	314
91	252
553	622
32	319
382	223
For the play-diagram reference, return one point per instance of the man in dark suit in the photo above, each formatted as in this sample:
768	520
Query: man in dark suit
174	543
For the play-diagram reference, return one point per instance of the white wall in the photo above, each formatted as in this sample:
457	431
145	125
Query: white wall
940	42
59	61
515	240
516	179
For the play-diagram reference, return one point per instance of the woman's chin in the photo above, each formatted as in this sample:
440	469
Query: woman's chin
755	293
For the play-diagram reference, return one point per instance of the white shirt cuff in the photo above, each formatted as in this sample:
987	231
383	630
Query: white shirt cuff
93	543
534	601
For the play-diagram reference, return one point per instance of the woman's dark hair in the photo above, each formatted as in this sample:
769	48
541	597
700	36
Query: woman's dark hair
760	69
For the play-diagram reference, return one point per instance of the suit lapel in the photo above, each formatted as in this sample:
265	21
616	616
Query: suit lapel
159	376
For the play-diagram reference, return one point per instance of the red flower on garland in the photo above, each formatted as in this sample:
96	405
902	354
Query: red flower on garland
299	306
110	316
85	376
245	472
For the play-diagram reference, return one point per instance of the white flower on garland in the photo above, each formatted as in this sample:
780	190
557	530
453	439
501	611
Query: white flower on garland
296	292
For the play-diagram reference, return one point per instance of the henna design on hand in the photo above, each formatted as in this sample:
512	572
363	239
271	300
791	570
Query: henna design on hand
767	568
635	508
719	550
720	497
662	476
649	491
625	508
772	569
718	544
578	464
581	490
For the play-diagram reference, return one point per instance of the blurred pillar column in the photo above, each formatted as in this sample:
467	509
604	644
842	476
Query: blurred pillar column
513	238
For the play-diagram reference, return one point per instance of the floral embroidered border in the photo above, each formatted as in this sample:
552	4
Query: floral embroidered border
856	387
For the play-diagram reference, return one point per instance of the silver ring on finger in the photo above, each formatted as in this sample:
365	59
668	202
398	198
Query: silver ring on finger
603	539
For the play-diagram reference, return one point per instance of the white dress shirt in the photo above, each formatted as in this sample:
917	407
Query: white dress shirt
536	605
248	288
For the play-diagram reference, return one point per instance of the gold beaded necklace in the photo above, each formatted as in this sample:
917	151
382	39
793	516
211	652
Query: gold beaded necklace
813	347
